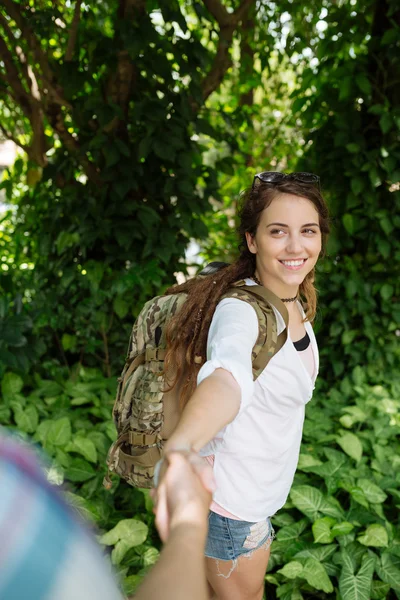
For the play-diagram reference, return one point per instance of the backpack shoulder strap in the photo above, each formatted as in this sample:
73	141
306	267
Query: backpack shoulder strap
268	342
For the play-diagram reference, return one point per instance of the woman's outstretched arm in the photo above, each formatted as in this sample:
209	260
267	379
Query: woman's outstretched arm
181	519
214	404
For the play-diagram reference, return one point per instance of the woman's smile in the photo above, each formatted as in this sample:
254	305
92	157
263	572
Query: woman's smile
294	264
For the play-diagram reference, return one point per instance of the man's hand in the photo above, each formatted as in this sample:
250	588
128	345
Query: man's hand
184	493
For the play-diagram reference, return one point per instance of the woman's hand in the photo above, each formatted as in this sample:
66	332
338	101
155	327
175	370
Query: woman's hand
184	492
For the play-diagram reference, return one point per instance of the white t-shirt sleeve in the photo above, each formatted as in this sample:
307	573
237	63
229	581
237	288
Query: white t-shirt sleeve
231	338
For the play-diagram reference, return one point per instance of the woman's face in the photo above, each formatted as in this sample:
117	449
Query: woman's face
287	243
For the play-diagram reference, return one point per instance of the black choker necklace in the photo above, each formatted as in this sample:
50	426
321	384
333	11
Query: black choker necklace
258	282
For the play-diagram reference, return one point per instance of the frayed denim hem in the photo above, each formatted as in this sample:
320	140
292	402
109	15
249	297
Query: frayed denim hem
249	540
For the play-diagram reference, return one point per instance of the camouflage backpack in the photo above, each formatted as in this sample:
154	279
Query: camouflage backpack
141	404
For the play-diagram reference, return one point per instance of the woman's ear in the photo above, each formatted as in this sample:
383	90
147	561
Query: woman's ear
251	242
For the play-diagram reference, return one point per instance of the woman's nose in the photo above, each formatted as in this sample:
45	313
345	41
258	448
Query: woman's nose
294	245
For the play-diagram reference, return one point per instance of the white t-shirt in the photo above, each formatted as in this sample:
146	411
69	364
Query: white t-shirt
256	455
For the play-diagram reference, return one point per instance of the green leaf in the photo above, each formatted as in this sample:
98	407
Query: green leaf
379	590
128	529
150	557
374	535
27	420
68	342
342	528
358	375
307	499
346	88
351	445
376	109
80	470
82	400
122	147
144	146
5	415
320	553
353	148
372	492
387	291
164	150
356	587
316	576
389	571
43	430
59	433
391	36
363	83
359	496
11	385
121	307
82	506
124	536
348	222
357	185
348	336
386	225
148	216
355	415
84	446
291	533
321	529
111	154
385	122
66	240
307	460
292	570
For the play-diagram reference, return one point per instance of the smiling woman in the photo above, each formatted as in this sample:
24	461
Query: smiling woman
250	431
287	243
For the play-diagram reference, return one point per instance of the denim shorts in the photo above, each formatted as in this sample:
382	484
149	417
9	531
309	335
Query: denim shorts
228	539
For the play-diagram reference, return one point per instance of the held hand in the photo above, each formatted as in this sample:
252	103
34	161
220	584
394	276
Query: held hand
201	467
181	496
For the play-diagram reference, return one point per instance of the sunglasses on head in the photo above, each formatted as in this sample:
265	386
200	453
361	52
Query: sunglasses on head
276	177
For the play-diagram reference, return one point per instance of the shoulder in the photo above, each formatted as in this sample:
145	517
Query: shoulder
235	320
236	307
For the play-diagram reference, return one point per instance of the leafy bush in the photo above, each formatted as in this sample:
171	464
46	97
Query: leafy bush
339	530
337	534
19	347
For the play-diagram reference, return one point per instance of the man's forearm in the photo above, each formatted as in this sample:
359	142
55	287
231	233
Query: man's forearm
214	404
180	572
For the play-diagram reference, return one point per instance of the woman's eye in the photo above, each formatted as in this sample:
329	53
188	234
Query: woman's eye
309	231
276	231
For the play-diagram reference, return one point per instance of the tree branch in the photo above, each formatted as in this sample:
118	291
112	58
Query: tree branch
52	103
29	104
219	12
30	79
228	22
7	134
73	32
13	79
127	8
241	11
39	55
225	18
124	75
18	50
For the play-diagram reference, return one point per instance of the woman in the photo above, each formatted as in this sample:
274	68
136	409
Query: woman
250	431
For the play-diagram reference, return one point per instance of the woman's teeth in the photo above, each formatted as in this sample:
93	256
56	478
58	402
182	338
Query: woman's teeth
293	263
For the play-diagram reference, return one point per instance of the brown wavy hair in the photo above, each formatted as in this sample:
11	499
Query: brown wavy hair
188	330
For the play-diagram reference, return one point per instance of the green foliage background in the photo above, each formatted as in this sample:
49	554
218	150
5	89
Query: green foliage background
140	124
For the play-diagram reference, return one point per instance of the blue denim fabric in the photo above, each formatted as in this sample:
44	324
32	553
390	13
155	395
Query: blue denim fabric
228	539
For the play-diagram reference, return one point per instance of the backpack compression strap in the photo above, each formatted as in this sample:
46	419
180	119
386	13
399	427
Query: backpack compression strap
266	297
